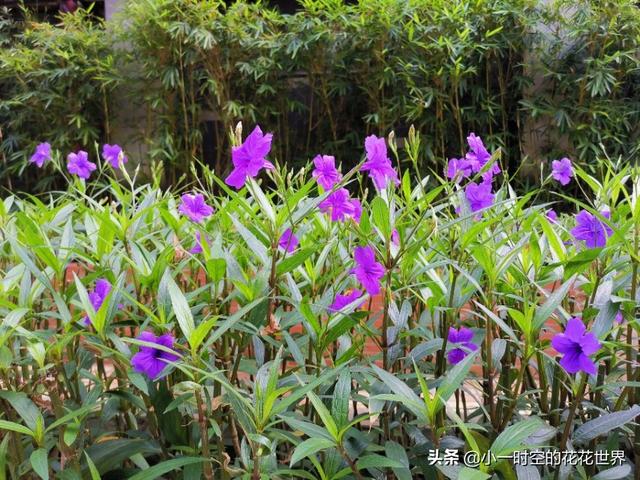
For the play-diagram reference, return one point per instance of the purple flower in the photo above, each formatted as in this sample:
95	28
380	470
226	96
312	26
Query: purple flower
197	248
357	209
458	168
341	206
479	196
325	172
41	155
152	361
342	301
378	164
249	158
576	344
194	207
562	171
98	296
79	164
619	318
367	270
288	241
113	154
395	238
479	156
461	339
590	229
552	216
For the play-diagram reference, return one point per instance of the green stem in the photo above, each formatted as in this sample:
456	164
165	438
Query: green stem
572	411
204	437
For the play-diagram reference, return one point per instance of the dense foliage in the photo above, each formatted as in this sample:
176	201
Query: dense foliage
534	78
57	82
302	331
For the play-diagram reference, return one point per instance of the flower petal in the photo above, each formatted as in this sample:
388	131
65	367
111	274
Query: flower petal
571	362
562	343
465	335
575	329
456	355
589	344
587	365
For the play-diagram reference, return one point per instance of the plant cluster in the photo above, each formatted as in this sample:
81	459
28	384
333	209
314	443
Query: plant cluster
303	331
55	83
564	74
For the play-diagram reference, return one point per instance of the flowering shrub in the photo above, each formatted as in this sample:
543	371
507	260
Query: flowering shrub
296	326
536	77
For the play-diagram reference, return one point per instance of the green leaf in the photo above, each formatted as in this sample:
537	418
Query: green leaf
95	475
310	447
544	312
514	436
43	279
380	214
377	461
604	424
13	318
216	269
340	400
471	474
261	199
165	467
180	306
555	242
468	435
614	473
201	331
578	263
254	244
453	379
15	427
398	452
40	463
327	420
311	317
70	434
24	406
527	472
498	321
31	235
292	262
110	454
71	416
231	321
106	234
4	447
296	395
401	393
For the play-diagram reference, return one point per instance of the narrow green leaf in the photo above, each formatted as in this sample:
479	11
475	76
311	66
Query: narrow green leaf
292	262
327	420
544	312
454	379
604	425
514	436
396	451
95	475
377	461
165	467
15	427
310	447
472	474
40	463
180	306
340	400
